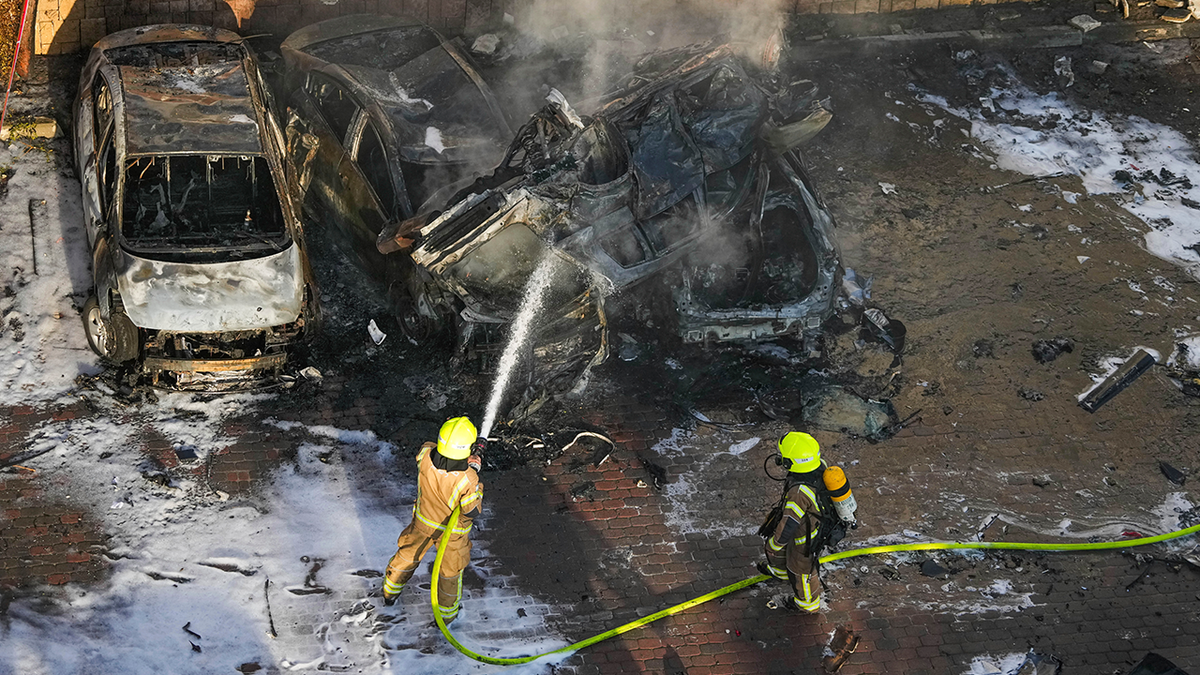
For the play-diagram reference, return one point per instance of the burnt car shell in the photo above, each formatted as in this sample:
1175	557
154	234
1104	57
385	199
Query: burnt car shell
356	79
681	171
199	267
382	114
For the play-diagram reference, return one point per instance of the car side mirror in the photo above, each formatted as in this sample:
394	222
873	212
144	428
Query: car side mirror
402	235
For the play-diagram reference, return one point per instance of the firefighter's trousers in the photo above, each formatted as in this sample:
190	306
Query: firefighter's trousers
796	565
415	541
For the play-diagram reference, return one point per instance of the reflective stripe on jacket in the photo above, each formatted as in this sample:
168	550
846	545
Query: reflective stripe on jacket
438	492
801	505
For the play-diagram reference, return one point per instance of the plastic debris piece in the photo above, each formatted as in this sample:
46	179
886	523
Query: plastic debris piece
1174	475
312	374
377	336
856	290
931	568
888	188
1132	533
1083	22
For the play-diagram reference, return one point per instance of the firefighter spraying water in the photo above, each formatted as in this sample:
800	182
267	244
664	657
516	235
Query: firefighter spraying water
447	483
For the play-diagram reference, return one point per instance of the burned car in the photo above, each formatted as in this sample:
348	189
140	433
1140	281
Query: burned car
382	114
198	262
387	120
687	174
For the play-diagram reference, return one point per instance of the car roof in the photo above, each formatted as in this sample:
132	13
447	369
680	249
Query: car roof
317	38
190	96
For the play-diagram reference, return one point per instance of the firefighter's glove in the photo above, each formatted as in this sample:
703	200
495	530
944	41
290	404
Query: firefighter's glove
475	462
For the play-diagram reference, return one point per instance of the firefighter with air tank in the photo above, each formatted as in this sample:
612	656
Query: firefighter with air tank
814	511
447	476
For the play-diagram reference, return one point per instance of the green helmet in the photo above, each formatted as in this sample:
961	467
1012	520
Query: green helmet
802	450
456	437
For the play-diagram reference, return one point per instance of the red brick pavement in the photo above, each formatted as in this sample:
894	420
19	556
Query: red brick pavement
608	557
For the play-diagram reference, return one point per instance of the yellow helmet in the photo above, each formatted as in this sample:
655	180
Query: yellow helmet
802	449
456	437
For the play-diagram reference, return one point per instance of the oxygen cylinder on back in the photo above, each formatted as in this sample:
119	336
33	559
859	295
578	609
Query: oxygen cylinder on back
839	489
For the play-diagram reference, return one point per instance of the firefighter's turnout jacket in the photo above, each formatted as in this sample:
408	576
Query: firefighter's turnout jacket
438	492
789	555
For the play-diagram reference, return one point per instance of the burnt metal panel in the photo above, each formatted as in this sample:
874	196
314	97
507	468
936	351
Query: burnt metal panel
199	109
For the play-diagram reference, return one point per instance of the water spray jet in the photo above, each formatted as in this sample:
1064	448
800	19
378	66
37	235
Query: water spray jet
531	302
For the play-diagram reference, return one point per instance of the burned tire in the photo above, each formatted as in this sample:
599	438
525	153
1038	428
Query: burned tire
414	325
418	327
114	339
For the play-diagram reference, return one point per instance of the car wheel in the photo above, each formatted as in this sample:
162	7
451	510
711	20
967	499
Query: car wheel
416	326
114	339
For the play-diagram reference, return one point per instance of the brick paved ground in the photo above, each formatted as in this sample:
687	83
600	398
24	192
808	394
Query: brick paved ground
599	546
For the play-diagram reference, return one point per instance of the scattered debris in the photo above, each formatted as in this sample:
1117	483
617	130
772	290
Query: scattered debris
887	188
1140	362
195	647
835	408
249	667
311	374
983	349
1083	22
931	568
1097	67
377	336
1153	664
1030	394
1045	351
310	587
1039	664
629	349
858	292
841	645
1180	15
601	453
227	567
1062	68
1174	475
187	628
270	619
585	490
486	44
658	475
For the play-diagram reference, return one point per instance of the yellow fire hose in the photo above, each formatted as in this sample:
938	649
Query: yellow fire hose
853	553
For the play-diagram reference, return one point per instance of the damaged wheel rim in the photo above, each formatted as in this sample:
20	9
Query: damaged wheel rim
97	331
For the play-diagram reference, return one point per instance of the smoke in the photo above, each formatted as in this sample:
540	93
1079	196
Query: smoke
616	30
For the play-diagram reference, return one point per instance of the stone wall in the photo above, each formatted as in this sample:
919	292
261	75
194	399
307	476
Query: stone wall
66	26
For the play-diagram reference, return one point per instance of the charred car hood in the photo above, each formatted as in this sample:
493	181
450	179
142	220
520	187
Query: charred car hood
212	297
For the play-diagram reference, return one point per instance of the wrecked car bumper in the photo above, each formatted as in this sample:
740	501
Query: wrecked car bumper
697	326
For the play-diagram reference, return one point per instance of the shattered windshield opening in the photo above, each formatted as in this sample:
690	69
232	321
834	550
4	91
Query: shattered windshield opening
496	273
201	208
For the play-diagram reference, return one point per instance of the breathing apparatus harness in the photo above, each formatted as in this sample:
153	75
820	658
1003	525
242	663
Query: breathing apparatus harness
835	503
